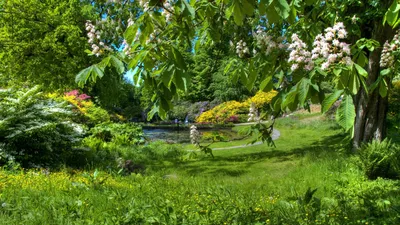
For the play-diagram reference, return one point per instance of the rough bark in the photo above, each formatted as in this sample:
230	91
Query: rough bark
371	108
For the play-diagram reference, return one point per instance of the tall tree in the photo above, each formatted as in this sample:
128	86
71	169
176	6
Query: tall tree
43	42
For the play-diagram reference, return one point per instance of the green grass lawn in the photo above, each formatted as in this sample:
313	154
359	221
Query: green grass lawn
251	185
287	164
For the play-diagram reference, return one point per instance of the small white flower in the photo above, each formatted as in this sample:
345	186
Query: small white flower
354	19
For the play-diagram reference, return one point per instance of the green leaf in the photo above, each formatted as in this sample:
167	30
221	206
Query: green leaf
91	72
266	85
227	67
188	9
289	98
118	65
97	71
361	71
180	62
354	83
152	112
303	88
337	71
83	76
248	9
385	72
383	89
135	60
346	113
282	8
262	7
178	80
272	15
362	59
252	75
238	15
130	33
391	17
330	99
395	6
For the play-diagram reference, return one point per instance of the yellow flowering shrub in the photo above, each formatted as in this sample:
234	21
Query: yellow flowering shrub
225	112
261	99
234	111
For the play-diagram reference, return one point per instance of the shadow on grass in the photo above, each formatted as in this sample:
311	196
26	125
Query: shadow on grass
237	165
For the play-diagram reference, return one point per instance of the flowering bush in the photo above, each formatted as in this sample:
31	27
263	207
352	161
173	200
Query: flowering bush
222	113
231	111
261	99
92	114
34	130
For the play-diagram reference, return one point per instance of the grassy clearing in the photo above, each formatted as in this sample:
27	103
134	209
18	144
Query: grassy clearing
252	185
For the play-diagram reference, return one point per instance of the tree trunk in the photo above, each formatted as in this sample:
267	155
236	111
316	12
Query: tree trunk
371	108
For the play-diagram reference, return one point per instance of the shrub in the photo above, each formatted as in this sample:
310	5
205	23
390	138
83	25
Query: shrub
233	111
261	99
365	200
90	113
380	159
124	134
223	113
34	130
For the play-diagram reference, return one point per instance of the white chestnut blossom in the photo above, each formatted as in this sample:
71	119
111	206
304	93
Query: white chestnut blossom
144	4
242	49
354	19
194	135
168	10
330	47
267	43
387	57
299	55
252	116
94	38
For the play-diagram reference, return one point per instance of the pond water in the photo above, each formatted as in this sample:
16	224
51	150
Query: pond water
169	135
183	136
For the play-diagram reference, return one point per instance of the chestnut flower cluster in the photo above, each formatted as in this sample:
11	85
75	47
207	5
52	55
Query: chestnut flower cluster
331	48
242	49
194	135
167	12
127	48
299	55
144	4
252	113
328	47
267	42
387	58
97	45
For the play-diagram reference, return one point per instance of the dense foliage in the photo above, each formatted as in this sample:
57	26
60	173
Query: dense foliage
43	42
380	159
34	130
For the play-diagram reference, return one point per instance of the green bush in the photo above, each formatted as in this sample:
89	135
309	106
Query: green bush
124	134
34	130
375	201
112	144
380	159
394	101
